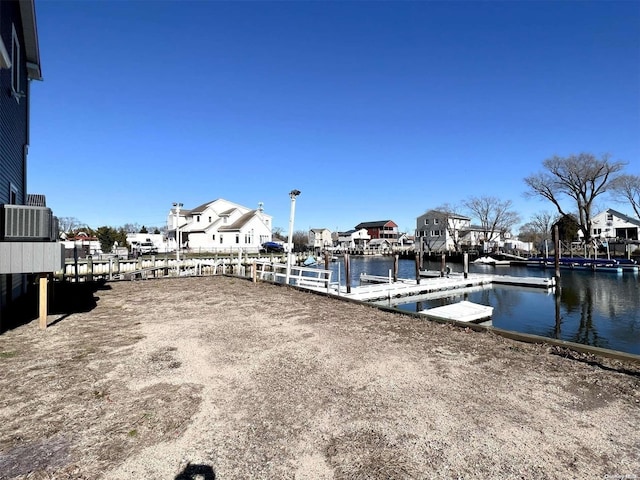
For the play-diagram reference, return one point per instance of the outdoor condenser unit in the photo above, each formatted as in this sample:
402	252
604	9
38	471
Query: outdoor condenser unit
26	223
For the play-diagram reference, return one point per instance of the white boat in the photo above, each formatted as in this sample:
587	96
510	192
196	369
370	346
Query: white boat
487	260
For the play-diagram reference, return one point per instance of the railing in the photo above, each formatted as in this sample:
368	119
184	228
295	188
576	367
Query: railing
299	276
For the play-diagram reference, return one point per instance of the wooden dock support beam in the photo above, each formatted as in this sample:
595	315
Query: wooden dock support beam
44	306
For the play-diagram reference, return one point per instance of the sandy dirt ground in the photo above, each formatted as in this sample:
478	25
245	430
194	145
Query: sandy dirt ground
220	378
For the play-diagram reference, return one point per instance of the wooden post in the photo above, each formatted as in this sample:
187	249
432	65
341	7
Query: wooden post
557	254
442	264
347	272
90	268
465	262
395	267
44	307
417	261
326	267
75	261
254	272
421	253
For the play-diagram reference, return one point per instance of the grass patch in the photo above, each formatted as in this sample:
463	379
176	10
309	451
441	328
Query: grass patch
8	354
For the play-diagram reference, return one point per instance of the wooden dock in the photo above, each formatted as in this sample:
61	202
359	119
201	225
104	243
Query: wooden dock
371	292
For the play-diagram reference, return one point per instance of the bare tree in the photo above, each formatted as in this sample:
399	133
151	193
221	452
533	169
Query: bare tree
537	229
626	188
68	224
495	215
582	177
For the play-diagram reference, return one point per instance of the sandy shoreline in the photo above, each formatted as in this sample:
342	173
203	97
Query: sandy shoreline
223	378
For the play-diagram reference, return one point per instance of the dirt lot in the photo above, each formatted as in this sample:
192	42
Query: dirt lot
221	378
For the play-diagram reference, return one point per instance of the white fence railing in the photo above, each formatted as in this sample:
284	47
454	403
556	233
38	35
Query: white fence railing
300	276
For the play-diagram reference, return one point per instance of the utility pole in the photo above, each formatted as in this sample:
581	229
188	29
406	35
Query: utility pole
293	194
177	207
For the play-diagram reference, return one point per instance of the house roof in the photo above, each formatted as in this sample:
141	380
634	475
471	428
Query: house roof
445	214
238	224
378	223
624	217
31	47
379	241
319	230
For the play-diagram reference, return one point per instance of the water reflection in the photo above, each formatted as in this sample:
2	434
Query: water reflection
599	309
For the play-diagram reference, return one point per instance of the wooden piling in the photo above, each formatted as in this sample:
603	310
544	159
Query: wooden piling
44	307
396	258
417	262
465	263
347	272
90	268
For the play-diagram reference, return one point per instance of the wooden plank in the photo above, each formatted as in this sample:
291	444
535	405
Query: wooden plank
43	300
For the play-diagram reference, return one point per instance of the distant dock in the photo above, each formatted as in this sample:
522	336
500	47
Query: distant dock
373	288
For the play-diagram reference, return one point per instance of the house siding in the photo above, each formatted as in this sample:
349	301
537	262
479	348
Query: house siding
13	114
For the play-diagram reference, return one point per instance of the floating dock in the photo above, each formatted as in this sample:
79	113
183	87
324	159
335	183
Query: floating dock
368	292
463	311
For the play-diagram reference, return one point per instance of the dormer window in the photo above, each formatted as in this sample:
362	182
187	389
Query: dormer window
197	218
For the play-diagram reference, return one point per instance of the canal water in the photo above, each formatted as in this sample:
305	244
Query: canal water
601	309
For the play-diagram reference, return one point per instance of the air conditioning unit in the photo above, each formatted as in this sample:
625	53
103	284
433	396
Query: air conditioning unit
26	223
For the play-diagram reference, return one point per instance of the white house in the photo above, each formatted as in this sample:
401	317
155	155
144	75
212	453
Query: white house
320	238
353	238
613	225
219	225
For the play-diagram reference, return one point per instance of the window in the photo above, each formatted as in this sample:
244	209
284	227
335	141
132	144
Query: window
237	238
15	64
221	239
13	194
609	217
426	221
197	218
435	221
213	237
209	219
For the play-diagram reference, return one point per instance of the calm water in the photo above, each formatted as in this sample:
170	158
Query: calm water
600	309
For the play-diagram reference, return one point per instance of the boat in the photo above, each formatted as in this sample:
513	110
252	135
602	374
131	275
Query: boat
488	260
310	261
581	263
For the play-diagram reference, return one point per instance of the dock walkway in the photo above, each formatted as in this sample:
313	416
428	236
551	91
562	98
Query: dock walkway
408	287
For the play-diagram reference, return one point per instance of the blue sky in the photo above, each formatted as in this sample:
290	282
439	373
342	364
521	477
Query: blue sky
373	110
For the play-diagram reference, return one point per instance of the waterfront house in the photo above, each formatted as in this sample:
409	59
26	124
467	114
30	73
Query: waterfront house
612	225
379	245
352	239
28	229
320	238
386	229
219	226
439	231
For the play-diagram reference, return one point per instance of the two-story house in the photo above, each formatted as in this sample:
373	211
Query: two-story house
613	225
438	231
358	239
28	229
219	226
381	229
320	238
